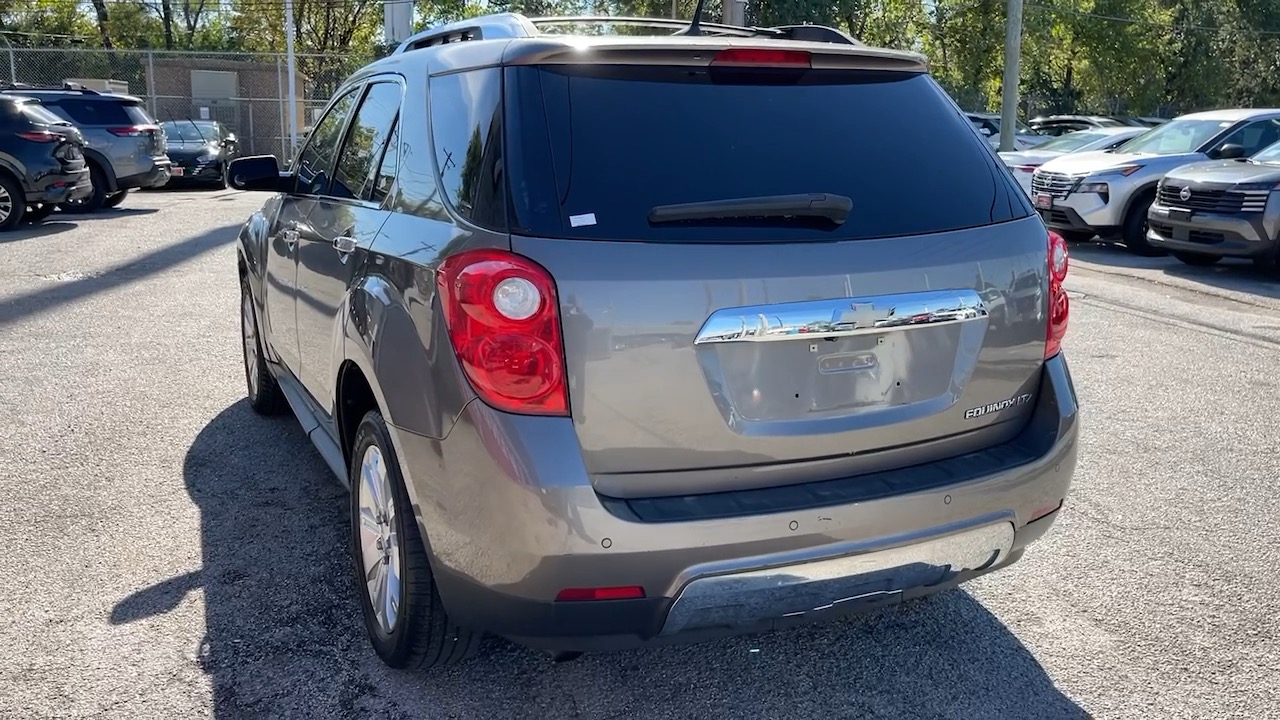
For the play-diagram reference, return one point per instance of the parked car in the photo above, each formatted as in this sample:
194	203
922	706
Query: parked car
1220	208
1108	193
988	126
1055	125
125	147
810	413
1024	163
200	151
41	162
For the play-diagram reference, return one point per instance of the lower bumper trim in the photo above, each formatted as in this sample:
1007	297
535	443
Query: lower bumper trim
839	583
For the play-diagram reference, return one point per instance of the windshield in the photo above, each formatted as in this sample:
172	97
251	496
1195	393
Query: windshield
188	132
1176	137
1072	141
38	113
574	128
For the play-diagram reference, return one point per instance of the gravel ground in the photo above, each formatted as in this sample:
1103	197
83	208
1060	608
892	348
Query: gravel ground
165	553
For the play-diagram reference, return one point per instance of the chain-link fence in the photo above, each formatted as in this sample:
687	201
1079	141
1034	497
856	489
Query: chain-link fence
249	93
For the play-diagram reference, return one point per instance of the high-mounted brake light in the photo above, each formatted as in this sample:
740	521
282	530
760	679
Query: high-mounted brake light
504	322
631	592
1059	305
759	57
40	136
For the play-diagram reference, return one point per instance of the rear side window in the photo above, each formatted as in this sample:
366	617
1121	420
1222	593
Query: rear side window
100	112
466	125
593	149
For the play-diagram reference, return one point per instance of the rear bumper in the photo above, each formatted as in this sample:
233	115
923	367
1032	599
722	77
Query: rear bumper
157	176
59	188
1251	235
512	520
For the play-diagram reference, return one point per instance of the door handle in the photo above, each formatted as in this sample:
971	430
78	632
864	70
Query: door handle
344	245
290	238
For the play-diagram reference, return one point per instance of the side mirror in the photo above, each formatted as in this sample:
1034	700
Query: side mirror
1231	151
259	172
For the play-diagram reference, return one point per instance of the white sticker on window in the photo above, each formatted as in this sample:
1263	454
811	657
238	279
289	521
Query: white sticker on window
580	220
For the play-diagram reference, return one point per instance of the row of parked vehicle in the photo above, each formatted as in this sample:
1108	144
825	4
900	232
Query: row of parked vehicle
1043	129
79	150
1199	187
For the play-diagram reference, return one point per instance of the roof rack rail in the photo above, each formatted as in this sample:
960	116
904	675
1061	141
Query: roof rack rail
515	25
64	87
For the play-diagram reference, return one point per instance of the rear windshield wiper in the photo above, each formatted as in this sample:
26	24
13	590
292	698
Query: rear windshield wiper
827	206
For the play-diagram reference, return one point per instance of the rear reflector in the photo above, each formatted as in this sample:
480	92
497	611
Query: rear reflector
754	57
630	592
1045	511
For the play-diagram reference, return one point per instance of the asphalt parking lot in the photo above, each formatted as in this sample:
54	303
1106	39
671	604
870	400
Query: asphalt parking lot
165	553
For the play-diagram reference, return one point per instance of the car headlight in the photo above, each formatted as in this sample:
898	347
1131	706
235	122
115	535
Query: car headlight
207	155
1093	187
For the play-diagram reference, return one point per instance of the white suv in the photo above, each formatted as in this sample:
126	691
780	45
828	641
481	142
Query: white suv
1108	193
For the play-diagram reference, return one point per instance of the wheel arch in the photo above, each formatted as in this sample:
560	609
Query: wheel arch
95	157
1136	196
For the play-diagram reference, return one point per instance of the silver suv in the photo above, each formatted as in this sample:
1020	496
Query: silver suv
1108	193
608	353
125	148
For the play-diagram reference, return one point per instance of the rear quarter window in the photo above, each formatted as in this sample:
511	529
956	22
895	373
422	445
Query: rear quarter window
592	149
101	112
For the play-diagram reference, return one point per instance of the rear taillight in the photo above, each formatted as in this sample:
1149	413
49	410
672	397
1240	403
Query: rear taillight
1059	306
40	136
132	130
631	592
504	322
1026	168
759	57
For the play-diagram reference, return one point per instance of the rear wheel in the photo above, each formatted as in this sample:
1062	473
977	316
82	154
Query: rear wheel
405	619
114	199
94	202
38	212
1197	259
1134	232
13	203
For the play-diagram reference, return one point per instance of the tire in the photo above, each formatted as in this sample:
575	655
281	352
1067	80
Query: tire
13	203
1269	263
1134	232
263	391
416	632
115	198
94	202
39	212
221	182
1077	236
1197	259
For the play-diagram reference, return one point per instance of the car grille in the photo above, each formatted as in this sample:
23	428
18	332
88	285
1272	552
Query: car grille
1050	183
1215	201
1202	237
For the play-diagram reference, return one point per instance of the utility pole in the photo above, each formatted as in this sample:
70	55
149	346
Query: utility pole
1012	60
397	21
735	12
293	77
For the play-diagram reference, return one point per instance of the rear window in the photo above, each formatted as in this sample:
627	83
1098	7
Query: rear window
591	150
40	115
104	112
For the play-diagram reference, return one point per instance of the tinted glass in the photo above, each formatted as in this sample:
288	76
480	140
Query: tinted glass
97	112
593	150
138	114
366	138
316	161
387	169
37	113
466	126
1177	137
1254	136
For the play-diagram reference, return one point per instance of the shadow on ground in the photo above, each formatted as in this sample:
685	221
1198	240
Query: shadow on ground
1229	274
283	634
